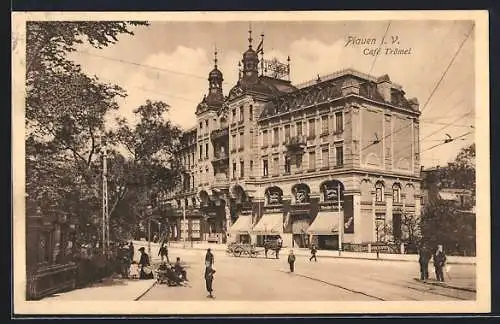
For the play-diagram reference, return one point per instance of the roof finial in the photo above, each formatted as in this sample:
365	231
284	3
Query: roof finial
250	35
215	55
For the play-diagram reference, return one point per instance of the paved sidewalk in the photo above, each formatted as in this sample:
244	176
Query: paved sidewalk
306	252
110	289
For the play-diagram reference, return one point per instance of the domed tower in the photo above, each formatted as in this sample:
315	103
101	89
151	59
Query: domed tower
250	63
215	96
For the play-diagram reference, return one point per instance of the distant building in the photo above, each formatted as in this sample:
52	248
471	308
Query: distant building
277	159
464	199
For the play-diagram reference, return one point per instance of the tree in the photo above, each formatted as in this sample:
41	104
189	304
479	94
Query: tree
442	223
151	169
65	111
461	172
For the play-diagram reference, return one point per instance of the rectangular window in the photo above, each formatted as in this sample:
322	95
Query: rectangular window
242	141
287	164
325	158
234	116
265	168
206	150
276	136
312	128
242	169
264	138
234	142
201	152
242	114
251	167
276	166
201	125
312	160
299	128
234	170
324	125
287	132
339	122
250	113
339	152
206	124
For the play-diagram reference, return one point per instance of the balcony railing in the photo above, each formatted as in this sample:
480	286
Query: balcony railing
220	157
218	133
296	142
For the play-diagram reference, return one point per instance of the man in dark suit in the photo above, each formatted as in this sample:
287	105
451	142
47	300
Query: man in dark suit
439	263
423	259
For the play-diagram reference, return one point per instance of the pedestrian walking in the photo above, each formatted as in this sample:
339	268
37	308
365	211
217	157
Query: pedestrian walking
163	253
313	253
291	261
209	258
209	279
423	259
439	263
145	266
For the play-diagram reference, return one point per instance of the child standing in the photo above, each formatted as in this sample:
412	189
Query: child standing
291	261
134	270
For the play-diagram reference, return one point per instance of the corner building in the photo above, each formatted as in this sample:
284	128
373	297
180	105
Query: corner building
336	156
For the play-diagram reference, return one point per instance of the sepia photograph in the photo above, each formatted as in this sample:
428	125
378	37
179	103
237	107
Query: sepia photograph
250	162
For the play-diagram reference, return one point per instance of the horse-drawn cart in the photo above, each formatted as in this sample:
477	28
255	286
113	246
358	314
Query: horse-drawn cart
239	249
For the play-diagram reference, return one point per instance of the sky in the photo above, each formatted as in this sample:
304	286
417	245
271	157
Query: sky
170	61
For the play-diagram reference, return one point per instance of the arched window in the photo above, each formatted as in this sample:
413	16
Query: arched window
379	191
396	193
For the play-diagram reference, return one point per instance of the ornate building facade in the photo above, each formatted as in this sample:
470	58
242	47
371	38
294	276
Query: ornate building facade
334	157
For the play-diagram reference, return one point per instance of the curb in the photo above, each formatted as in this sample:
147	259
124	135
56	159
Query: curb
450	286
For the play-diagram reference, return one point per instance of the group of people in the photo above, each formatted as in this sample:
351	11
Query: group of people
425	256
438	258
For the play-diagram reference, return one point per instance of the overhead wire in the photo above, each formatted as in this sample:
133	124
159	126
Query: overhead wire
432	92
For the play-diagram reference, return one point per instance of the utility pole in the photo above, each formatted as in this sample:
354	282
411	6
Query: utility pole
149	229
341	222
184	225
105	216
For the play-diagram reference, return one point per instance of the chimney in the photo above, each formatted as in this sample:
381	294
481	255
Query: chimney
350	86
384	87
414	104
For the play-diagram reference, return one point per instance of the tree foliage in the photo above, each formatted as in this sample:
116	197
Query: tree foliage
442	223
65	128
445	222
460	173
150	169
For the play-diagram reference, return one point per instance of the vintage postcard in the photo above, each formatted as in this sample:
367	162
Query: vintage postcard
251	162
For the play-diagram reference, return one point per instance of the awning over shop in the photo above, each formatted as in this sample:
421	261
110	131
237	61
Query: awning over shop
242	225
269	224
325	223
448	196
